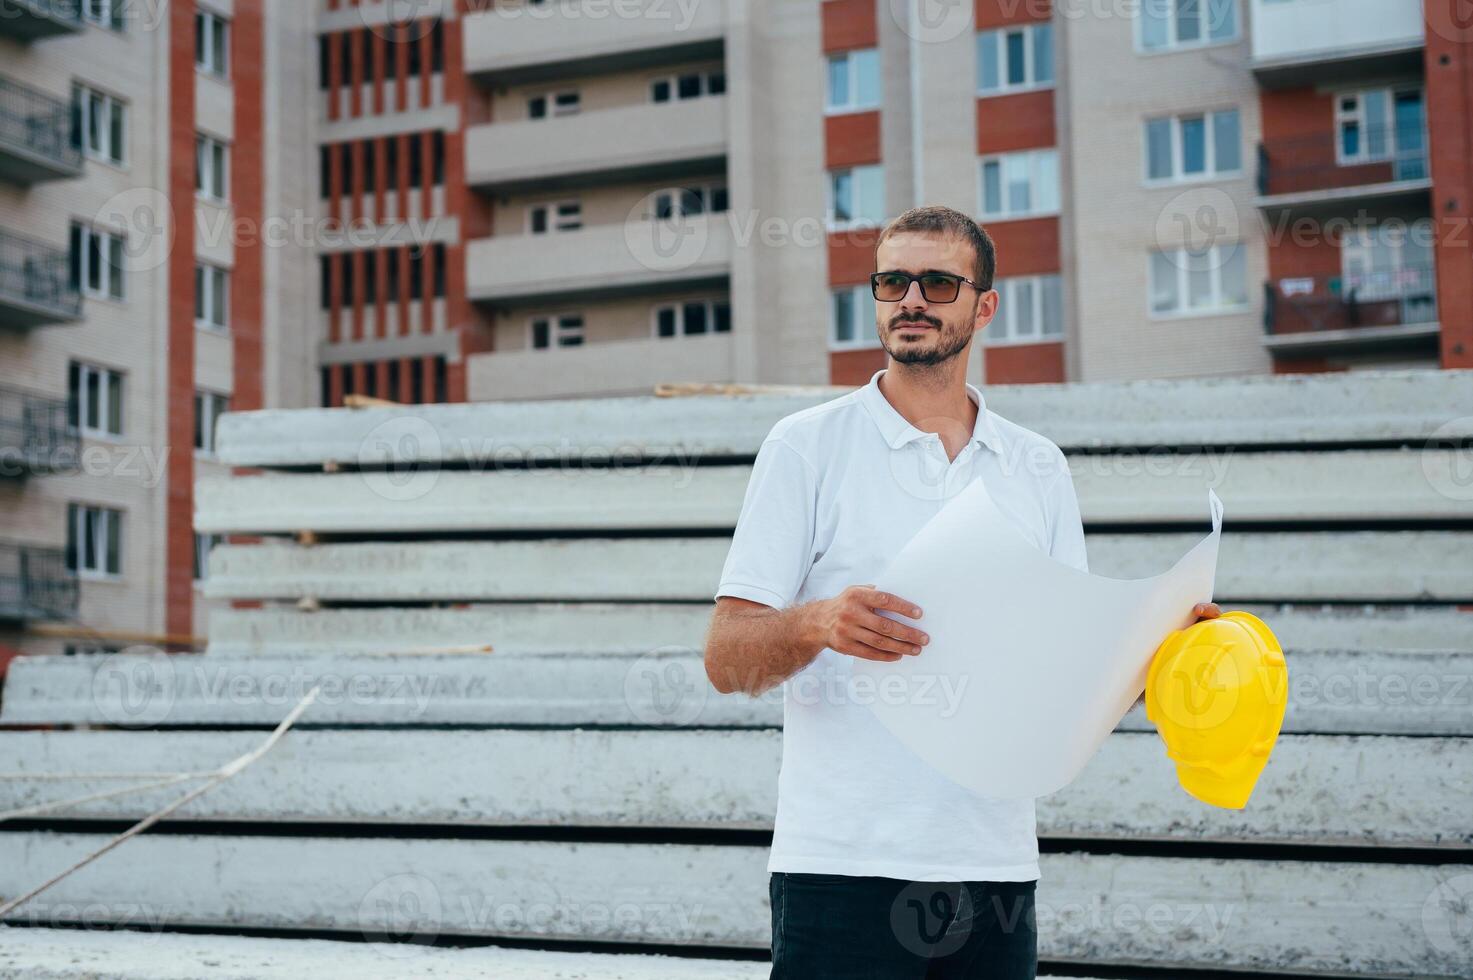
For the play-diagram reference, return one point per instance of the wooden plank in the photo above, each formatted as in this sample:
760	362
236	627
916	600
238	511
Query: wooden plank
612	627
1371	566
75	954
1263	410
1325	790
1285	916
1330	691
1119	489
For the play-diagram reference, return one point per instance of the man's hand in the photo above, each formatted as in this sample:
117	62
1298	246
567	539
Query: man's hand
1205	610
848	623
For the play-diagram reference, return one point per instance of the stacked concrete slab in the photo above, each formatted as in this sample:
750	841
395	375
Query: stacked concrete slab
505	606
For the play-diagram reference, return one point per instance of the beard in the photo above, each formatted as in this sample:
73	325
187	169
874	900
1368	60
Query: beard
951	339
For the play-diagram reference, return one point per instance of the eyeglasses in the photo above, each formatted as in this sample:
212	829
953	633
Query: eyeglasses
936	287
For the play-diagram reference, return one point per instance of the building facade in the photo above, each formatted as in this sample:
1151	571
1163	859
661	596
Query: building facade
212	205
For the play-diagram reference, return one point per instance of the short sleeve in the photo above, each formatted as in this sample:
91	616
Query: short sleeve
1066	542
772	548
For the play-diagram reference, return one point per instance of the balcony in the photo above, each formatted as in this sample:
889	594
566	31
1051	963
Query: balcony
623	367
35	436
35	20
34	584
513	43
639	256
1374	311
36	138
1390	164
651	141
1335	41
35	284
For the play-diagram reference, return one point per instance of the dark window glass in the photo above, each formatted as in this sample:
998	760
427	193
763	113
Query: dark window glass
442	387
437	155
347	264
391	55
416	162
415	60
74	395
324	169
394	257
394	392
537	107
391	161
718	199
370	168
324	380
345	58
660	91
370	278
416	272
323	57
325	266
689	86
416	382
74	258
347	154
370	380
666	321
695	318
440	269
721	313
716	83
368	73
437	47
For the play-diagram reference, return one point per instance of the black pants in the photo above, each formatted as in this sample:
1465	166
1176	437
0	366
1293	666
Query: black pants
836	927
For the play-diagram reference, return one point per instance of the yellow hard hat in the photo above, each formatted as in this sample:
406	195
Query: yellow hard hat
1217	692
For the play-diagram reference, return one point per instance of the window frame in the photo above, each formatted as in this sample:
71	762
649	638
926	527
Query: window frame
216	291
1030	70
1175	45
208	407
1178	175
865	340
218	27
206	142
111	17
109	526
113	109
204	543
831	108
672	80
1183	311
557	327
678	308
111	272
1033	156
1008	308
1393	141
79	404
553	216
830	198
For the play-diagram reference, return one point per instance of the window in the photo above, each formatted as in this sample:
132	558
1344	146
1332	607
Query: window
440	271
557	104
209	168
210	299
370	277
208	407
94	400
437	47
437	157
1199	145
102	124
856	196
324	169
853	321
1030	310
324	285
370	166
203	545
1015	58
559	216
693	318
1020	184
211	43
416	161
561	330
1167	24
416	272
368	52
346	294
392	258
324	67
105	13
854	80
1389	263
93	540
96	261
1198	280
345	150
679	202
688	85
411	41
1383	124
391	163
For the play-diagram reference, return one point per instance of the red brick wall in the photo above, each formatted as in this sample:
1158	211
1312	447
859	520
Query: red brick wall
1002	13
1026	246
1449	61
179	427
851	139
849	24
247	197
1023	121
856	367
1025	363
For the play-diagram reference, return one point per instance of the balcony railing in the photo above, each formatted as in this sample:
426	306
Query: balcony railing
35	283
32	20
35	435
35	584
38	140
1405	297
1307	164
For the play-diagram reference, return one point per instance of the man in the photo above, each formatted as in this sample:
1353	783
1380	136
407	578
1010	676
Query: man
880	866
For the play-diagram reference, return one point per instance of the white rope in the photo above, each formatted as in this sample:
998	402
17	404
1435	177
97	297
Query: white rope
107	794
225	772
96	776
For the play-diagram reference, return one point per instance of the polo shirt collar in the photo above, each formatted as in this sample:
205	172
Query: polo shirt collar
897	431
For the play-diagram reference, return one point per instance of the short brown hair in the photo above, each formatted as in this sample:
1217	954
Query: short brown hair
944	220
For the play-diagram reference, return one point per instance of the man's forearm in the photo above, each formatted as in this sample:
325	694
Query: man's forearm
753	651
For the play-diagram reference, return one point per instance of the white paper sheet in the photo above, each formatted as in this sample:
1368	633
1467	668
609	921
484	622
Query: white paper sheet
1045	659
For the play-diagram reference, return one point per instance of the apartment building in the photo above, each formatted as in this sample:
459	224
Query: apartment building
1175	188
142	147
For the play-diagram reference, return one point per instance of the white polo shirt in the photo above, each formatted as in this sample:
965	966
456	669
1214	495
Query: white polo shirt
836	491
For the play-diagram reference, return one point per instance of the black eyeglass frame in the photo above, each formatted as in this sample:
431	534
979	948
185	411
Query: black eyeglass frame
956	280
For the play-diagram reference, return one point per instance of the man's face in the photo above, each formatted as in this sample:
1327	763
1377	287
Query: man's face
914	330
